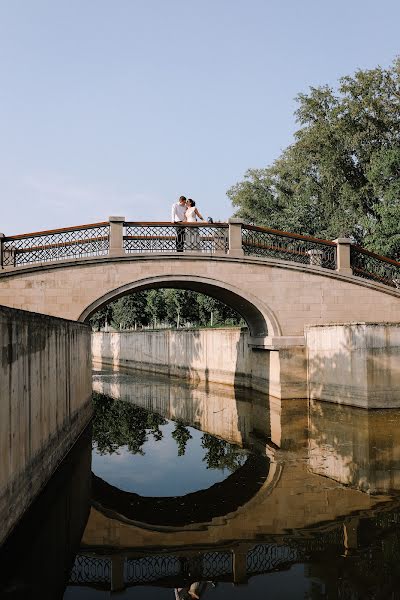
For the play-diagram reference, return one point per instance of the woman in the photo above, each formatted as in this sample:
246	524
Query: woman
192	234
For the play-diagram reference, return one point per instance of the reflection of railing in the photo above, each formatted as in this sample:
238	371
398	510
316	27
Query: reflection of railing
90	570
170	237
58	244
269	557
260	241
377	268
173	570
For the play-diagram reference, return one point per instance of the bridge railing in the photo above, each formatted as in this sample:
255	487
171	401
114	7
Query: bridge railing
171	237
260	241
55	244
372	266
117	238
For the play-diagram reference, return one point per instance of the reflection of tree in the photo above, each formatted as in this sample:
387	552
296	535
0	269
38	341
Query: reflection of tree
117	423
221	454
181	435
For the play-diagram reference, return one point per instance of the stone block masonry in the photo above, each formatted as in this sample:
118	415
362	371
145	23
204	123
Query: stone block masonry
45	403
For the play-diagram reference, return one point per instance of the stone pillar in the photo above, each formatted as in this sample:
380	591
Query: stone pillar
117	573
235	238
1	251
350	535
240	564
343	264
116	236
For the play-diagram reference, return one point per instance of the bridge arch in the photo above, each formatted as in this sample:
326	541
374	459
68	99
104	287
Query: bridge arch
260	318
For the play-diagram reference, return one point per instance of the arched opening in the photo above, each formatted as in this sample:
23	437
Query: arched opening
259	319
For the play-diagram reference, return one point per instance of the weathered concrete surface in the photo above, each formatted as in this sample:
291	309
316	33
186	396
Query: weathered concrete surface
355	363
45	388
358	448
210	355
282	296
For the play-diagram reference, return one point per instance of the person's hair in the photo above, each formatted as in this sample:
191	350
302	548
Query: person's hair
191	202
182	198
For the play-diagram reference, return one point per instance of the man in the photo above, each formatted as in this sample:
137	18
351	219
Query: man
177	216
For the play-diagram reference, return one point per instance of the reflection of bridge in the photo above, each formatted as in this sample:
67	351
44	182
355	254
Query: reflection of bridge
276	280
328	545
171	570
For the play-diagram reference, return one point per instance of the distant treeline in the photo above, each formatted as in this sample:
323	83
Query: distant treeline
172	307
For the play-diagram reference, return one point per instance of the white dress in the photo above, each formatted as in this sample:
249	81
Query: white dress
192	234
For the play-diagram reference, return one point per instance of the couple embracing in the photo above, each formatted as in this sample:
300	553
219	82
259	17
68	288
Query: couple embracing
185	211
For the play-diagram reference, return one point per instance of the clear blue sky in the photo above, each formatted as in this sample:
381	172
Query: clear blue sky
119	106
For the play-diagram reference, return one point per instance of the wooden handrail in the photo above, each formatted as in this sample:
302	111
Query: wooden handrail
171	224
10	238
290	235
58	245
374	255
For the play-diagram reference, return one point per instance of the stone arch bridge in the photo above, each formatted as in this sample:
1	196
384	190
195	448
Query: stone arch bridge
279	282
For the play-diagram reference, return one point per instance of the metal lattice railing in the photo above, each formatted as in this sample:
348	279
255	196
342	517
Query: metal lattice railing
168	237
377	268
260	241
54	245
90	569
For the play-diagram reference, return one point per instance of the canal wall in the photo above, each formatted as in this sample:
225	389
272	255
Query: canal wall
45	387
357	364
222	356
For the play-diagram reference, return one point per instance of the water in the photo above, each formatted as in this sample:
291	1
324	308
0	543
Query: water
220	493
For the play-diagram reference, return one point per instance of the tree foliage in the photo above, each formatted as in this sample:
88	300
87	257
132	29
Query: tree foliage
118	423
341	174
170	306
221	454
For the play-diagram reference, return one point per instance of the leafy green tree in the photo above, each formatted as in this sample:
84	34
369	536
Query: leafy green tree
173	306
155	306
130	311
340	175
101	317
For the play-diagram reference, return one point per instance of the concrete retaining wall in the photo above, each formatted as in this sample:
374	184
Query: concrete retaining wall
210	355
355	363
45	387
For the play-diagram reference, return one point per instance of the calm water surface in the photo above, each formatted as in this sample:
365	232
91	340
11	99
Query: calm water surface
179	491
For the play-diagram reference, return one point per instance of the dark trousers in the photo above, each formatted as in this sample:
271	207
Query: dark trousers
180	239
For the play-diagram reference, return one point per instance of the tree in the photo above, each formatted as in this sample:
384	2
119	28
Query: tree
155	306
339	175
174	306
130	311
101	317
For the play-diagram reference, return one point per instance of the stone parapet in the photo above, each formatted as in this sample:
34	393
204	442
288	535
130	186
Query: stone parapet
45	386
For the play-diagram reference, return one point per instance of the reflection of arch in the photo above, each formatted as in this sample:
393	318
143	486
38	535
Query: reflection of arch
260	319
198	507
